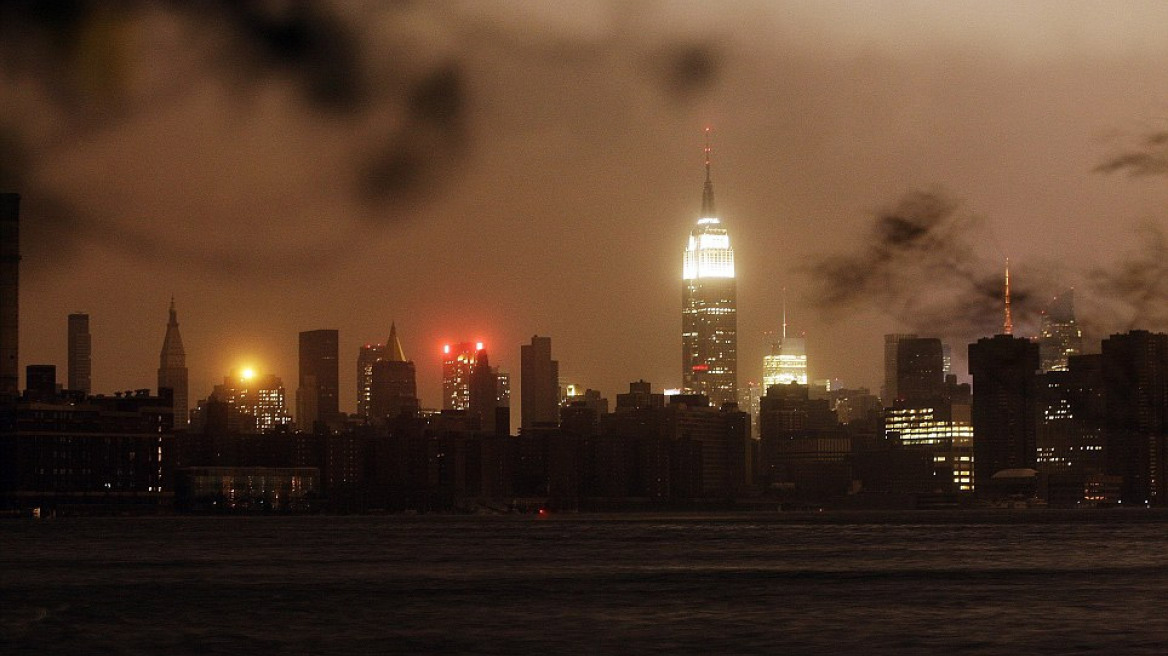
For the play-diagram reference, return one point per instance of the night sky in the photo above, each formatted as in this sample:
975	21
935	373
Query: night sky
493	170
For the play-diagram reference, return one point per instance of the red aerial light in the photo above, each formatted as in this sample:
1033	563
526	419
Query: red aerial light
446	348
478	346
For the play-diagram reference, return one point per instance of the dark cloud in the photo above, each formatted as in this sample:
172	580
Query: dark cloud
1148	156
921	265
691	69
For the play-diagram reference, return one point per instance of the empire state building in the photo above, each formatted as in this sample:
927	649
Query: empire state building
709	314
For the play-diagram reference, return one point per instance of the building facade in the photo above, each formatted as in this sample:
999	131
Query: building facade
457	362
539	382
1004	370
1060	337
80	353
709	307
319	374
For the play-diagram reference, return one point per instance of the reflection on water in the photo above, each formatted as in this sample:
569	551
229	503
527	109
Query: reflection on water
1003	583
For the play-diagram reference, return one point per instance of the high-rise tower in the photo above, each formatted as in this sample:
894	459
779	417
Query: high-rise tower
1060	337
9	296
316	395
80	353
457	362
394	383
709	317
172	369
787	362
539	383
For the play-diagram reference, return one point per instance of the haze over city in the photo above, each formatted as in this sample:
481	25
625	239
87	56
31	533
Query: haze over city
490	171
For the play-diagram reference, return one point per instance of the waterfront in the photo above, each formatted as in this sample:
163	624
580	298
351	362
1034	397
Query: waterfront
993	583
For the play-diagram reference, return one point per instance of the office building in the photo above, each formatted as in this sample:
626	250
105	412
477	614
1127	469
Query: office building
483	392
255	404
1060	337
539	383
394	385
709	313
80	351
457	362
920	371
888	392
319	374
368	354
1135	379
1004	370
172	370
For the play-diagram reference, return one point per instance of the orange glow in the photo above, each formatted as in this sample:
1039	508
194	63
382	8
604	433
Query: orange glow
247	373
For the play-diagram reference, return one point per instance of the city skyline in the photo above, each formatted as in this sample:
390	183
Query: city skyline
814	137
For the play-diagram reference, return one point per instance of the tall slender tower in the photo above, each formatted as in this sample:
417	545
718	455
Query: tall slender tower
709	316
172	369
9	296
80	353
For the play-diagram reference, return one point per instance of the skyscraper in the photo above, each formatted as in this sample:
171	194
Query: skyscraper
316	395
787	362
1059	337
369	354
920	370
483	392
80	353
9	296
395	381
539	383
1004	370
888	393
457	362
1135	379
709	316
172	369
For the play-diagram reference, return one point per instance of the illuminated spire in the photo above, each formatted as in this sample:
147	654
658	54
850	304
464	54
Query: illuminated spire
393	349
708	191
784	314
1008	326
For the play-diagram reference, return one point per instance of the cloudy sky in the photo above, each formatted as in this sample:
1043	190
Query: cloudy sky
493	170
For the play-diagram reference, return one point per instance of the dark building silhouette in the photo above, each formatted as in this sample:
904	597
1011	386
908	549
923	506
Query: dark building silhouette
394	386
72	453
80	354
319	386
709	307
172	370
1004	370
1135	378
484	393
40	383
889	393
9	297
920	370
1060	337
539	383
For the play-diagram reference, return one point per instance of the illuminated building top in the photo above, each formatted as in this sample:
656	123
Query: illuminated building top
708	253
